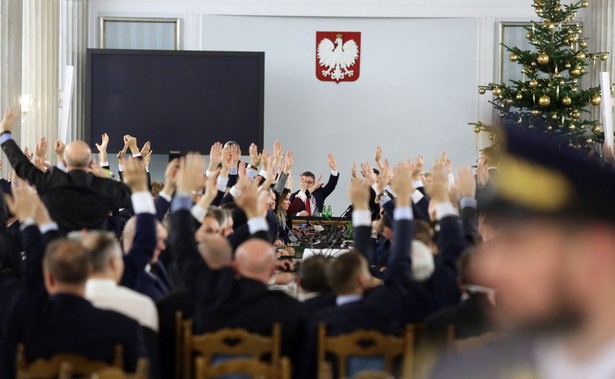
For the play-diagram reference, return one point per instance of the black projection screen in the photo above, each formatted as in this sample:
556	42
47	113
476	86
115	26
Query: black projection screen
178	100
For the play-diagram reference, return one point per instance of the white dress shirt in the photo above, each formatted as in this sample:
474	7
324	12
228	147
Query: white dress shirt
106	294
554	362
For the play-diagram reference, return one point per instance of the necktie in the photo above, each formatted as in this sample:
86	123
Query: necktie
308	206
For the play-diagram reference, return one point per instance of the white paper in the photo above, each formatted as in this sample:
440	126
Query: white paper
607	108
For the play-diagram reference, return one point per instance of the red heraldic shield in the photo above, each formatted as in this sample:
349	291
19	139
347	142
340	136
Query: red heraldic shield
338	56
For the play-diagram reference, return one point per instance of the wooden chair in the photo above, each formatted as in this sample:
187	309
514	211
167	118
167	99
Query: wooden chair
63	365
253	368
116	373
367	343
368	374
229	342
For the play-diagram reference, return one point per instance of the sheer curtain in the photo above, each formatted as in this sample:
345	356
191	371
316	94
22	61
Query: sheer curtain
599	27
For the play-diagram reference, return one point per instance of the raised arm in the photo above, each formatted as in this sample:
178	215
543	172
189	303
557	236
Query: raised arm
333	178
19	161
361	217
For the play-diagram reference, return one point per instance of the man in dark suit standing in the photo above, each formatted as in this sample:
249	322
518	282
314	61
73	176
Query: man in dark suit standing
237	295
51	315
315	194
76	199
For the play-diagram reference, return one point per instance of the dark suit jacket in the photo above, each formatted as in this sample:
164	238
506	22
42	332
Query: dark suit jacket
321	194
76	199
10	252
380	309
469	319
64	322
322	301
155	283
222	300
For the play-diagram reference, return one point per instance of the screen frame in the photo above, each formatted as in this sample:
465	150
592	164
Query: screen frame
87	131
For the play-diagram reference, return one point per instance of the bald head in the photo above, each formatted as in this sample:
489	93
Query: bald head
217	252
255	259
77	155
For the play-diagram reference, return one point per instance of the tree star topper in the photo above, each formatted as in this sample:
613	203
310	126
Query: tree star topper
338	57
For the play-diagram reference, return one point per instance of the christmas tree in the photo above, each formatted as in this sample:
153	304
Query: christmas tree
549	96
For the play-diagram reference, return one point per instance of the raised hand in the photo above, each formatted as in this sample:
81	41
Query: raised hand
265	158
190	173
22	202
227	160
332	162
466	184
401	183
378	157
130	142
59	149
353	174
134	175
235	155
439	185
215	156
170	174
368	173
278	150
41	149
9	120
248	200
211	190
316	185
27	153
96	170
289	162
102	147
385	176
255	157
359	194
418	168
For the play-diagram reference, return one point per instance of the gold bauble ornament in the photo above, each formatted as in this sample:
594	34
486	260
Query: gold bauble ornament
604	57
509	101
529	35
583	44
533	83
575	72
534	64
576	114
590	141
554	116
596	129
481	91
538	11
580	56
535	112
519	96
497	91
585	4
575	81
568	65
574	89
513	57
572	127
544	101
476	129
595	100
566	101
542	59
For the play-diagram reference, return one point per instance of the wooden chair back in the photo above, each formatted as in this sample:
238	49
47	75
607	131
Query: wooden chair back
228	342
253	368
64	365
368	374
116	373
367	343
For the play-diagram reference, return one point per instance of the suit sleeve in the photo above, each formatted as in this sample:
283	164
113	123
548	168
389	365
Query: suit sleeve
162	207
34	248
183	245
363	242
142	248
330	186
451	244
280	184
242	234
22	165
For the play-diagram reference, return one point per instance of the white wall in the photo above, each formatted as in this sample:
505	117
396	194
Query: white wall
421	63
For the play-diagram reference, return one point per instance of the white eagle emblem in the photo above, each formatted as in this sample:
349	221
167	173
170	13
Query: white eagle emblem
338	58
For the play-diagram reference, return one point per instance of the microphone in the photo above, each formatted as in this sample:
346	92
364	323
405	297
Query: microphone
346	211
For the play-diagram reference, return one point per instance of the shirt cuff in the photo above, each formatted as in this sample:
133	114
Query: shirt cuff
263	173
222	182
181	201
48	227
444	210
27	222
5	137
233	171
375	187
417	196
252	173
468	202
417	184
403	213
361	218
61	166
198	213
302	196
142	202
165	196
104	164
235	192
390	190
257	224
334	173
120	167
137	155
